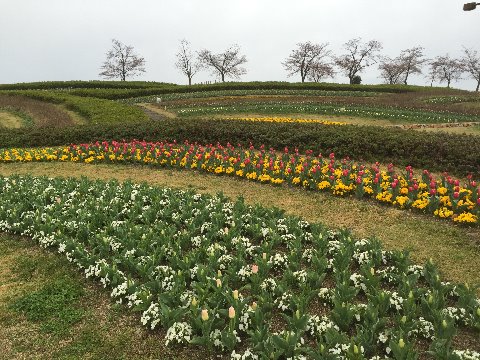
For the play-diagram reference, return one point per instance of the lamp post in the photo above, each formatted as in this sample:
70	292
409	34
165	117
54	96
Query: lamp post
470	6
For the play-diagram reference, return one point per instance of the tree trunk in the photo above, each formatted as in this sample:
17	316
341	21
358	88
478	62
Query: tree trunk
189	80
478	85
406	77
448	84
223	77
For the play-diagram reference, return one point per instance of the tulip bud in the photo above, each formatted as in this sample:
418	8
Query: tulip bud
401	343
219	274
430	299
478	311
264	256
204	314
297	314
410	294
254	269
235	294
372	271
219	283
403	319
355	349
194	302
231	312
254	306
444	324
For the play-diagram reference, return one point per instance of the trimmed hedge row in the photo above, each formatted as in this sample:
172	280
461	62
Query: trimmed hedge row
457	154
126	89
65	85
96	111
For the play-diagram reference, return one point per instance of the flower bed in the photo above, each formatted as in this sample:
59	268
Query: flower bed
444	197
396	115
286	120
241	279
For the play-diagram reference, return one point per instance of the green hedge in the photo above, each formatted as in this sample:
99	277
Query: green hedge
65	85
128	89
96	111
457	154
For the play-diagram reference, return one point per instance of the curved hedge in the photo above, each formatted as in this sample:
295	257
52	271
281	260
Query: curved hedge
126	89
96	111
457	154
78	84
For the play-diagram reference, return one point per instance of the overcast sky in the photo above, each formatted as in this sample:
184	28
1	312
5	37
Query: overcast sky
43	40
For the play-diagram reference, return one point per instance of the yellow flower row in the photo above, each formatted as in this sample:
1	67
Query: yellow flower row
443	198
287	120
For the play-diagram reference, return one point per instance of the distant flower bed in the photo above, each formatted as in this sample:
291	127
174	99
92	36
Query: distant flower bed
286	120
444	197
244	280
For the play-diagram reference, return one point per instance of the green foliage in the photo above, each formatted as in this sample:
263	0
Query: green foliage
394	114
457	154
249	92
54	306
66	85
126	89
357	79
26	118
97	111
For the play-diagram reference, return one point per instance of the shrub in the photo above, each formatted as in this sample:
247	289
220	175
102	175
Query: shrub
436	151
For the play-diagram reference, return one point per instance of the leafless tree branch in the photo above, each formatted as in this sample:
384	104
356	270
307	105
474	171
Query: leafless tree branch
122	62
307	57
185	61
226	64
470	63
359	56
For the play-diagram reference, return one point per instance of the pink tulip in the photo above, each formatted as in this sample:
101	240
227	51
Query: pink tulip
254	269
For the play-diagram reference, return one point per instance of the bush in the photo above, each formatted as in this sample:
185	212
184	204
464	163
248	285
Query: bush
96	111
127	89
357	79
436	151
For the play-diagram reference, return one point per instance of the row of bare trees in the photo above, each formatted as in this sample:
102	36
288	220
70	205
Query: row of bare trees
311	61
315	61
223	65
441	68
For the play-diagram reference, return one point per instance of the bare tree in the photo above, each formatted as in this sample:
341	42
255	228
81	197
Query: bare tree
320	70
359	56
471	64
446	69
391	70
307	57
122	62
412	60
226	64
185	61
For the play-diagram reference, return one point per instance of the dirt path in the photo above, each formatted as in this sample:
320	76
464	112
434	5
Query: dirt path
156	112
10	120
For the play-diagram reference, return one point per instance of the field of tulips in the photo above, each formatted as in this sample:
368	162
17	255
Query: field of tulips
243	280
400	115
444	198
286	120
261	92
